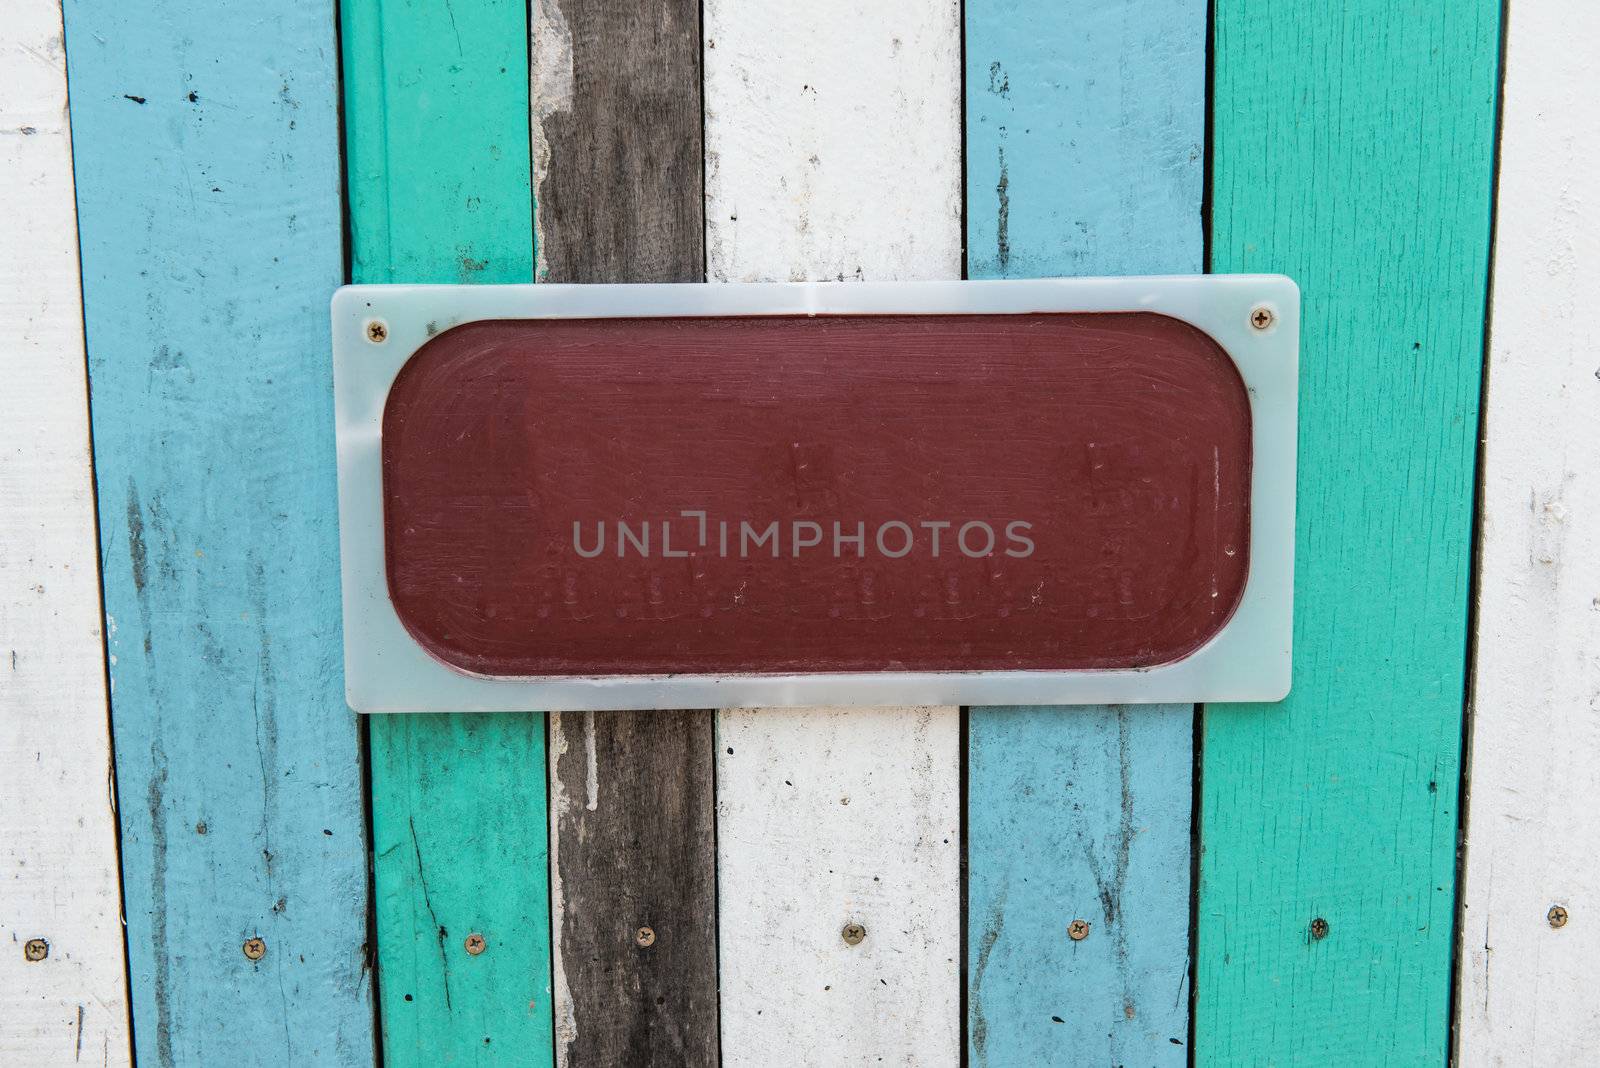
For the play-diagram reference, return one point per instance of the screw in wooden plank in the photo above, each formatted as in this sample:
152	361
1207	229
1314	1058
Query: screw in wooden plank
1078	930
255	948
644	937
35	950
1262	317
1319	928
853	933
475	943
1557	916
377	331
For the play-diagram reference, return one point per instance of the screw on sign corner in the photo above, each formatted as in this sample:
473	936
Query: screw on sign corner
853	933
254	948
35	950
377	331
1078	930
1319	929
644	937
1557	916
1262	317
475	943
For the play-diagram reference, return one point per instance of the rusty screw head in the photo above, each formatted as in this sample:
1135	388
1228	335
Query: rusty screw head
644	937
475	943
1078	930
1262	317
1319	928
35	950
853	933
255	948
1557	916
377	331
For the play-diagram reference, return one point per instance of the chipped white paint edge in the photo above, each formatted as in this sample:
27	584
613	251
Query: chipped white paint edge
566	1018
833	151
58	851
1526	988
551	85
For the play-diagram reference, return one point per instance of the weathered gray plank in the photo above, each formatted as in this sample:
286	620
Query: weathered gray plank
617	141
617	159
634	879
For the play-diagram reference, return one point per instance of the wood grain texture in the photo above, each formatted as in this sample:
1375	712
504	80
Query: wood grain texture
617	167
616	140
833	151
58	827
634	877
436	113
207	159
1353	151
1085	127
1526	991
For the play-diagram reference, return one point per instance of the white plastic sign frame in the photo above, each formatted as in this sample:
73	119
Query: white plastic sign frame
1254	318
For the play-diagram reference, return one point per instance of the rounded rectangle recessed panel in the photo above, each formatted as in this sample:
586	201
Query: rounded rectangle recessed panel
721	495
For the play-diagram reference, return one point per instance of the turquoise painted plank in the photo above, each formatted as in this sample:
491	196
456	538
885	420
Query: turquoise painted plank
1354	150
1085	129
207	153
436	126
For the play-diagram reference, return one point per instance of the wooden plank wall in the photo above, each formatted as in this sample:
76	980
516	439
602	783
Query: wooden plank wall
206	149
436	121
1529	940
833	136
63	991
1353	150
1352	147
617	173
1085	142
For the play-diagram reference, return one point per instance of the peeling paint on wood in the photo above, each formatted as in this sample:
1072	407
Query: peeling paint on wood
436	116
1085	124
1529	931
208	201
63	988
616	134
833	151
1353	150
617	163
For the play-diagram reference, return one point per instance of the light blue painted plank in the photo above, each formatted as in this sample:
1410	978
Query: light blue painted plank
1085	127
207	150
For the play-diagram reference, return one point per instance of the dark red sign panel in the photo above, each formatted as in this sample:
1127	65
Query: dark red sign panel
840	493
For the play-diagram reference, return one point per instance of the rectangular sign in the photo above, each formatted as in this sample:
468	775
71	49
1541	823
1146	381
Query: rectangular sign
673	496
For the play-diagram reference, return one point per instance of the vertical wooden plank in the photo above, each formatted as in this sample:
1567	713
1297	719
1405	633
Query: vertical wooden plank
207	158
1353	151
617	162
634	882
436	113
59	899
1085	135
833	151
1526	984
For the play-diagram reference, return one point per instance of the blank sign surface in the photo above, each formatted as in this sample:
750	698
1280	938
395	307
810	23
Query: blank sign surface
867	493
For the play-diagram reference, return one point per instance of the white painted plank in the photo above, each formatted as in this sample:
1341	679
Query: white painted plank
1527	987
825	818
58	853
833	151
